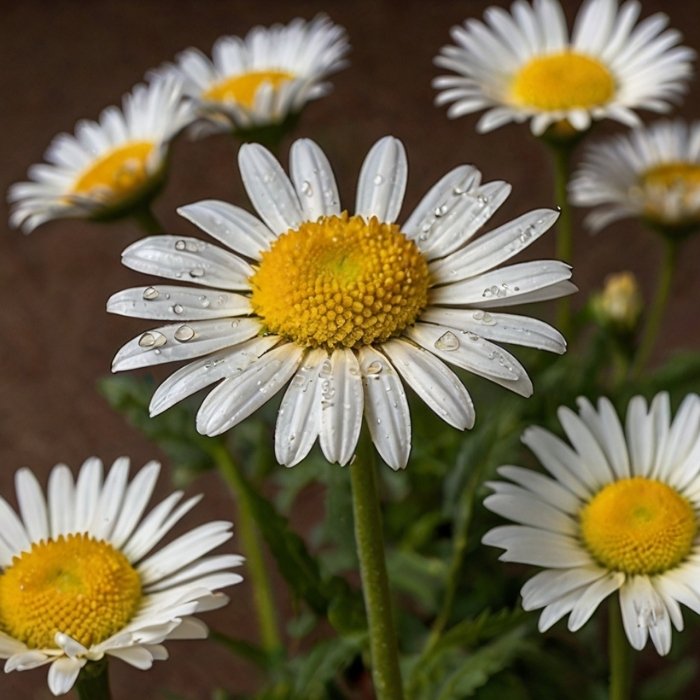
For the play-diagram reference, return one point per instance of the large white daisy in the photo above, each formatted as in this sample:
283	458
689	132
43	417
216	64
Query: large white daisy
108	167
619	514
264	78
651	173
340	306
79	579
523	65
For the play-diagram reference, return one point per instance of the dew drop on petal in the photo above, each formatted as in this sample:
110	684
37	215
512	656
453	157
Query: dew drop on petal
184	333
378	179
177	308
447	341
374	368
180	245
306	188
152	339
197	272
150	293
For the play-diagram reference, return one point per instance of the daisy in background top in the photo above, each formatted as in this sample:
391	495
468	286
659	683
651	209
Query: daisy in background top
264	79
108	168
79	579
617	514
523	66
340	307
652	173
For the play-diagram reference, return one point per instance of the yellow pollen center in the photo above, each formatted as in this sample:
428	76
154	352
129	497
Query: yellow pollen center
340	282
562	81
116	175
638	526
242	89
75	584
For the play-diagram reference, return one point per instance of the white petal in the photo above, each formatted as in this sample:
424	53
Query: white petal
87	493
32	505
546	586
433	381
110	503
382	181
591	598
525	508
63	673
137	656
386	408
642	608
341	406
61	500
314	180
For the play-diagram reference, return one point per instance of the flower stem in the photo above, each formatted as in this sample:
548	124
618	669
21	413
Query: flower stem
375	582
651	329
619	654
146	219
93	681
261	585
561	157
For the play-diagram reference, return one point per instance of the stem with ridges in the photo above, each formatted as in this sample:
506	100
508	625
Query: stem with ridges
375	582
663	288
619	653
255	563
93	681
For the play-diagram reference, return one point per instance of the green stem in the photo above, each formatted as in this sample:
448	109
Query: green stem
561	156
651	329
619	653
261	585
375	582
93	681
146	219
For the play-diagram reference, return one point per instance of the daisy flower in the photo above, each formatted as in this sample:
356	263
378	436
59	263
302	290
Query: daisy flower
109	167
651	173
79	579
265	78
523	66
340	307
618	513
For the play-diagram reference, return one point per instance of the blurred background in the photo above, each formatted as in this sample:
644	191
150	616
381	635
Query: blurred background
67	60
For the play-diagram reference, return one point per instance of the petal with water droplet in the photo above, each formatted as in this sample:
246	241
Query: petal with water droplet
314	180
382	182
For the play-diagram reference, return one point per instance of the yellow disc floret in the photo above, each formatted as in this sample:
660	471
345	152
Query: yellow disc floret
117	175
672	192
75	585
242	89
562	81
340	282
638	526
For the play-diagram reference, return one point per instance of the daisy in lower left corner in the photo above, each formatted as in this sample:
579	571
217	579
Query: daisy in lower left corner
79	580
617	514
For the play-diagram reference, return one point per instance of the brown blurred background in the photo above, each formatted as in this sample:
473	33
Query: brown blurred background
66	60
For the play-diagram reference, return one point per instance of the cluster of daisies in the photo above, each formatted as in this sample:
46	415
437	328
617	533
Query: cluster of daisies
342	311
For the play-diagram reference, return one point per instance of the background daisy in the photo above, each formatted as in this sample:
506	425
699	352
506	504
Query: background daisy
79	579
618	513
651	173
108	168
340	307
522	65
264	78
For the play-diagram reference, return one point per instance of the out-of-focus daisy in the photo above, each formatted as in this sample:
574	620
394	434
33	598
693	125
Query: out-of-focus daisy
108	168
619	513
79	579
651	173
265	78
619	304
340	306
523	65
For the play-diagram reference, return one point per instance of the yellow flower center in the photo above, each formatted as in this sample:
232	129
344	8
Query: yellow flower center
116	175
242	89
680	179
340	281
638	526
75	584
562	81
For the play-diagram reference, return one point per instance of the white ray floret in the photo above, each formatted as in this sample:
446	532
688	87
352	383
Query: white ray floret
339	355
523	65
616	513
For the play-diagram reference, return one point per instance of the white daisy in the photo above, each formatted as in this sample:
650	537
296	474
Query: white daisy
652	173
340	305
108	167
266	77
79	580
523	65
619	513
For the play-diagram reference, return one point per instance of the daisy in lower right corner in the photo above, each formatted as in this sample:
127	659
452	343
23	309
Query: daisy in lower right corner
619	514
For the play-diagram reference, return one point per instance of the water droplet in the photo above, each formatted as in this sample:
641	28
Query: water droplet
326	369
213	363
306	189
204	301
472	336
180	245
235	323
184	333
197	272
150	293
378	179
177	308
374	368
299	381
447	341
152	339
